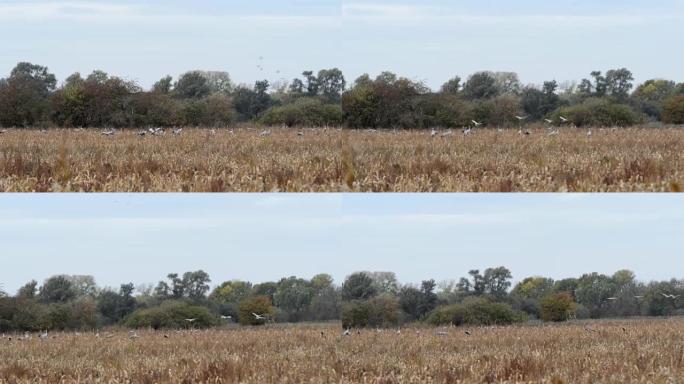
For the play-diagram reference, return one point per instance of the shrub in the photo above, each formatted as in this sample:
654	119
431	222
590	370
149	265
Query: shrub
475	312
599	113
171	314
673	110
556	307
261	305
380	311
305	111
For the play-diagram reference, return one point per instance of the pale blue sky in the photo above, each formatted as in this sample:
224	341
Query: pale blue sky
428	40
140	238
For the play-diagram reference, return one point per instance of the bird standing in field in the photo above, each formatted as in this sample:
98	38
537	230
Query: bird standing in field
346	332
266	132
433	133
177	131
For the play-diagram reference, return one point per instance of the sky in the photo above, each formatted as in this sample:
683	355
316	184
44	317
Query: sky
426	40
140	238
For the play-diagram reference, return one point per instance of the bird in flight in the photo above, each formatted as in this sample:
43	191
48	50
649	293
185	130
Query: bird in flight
548	121
258	317
477	124
191	320
521	118
563	119
226	317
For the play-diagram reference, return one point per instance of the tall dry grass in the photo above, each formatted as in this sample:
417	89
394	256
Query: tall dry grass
638	159
638	351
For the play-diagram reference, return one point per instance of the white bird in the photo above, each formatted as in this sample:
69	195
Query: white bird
638	297
258	317
521	118
190	320
3	131
212	131
433	133
563	119
442	333
553	133
477	124
133	335
265	133
226	317
589	134
467	131
346	332
612	298
44	336
177	131
548	121
300	133
109	133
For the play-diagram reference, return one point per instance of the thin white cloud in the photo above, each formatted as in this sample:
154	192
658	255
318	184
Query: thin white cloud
111	12
424	15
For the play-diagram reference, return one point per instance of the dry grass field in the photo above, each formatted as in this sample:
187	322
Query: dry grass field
638	159
636	351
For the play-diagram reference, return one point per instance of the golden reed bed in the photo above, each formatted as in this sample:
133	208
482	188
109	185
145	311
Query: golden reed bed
636	351
638	159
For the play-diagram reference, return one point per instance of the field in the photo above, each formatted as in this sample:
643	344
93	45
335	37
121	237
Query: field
636	351
637	159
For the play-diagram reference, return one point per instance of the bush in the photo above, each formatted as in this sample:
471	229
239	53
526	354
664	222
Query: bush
673	110
557	307
171	314
380	311
475	312
599	113
305	111
261	305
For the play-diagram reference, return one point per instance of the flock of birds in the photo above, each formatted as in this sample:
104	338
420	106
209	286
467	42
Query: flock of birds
552	129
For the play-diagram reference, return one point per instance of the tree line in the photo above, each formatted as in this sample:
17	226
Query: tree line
31	97
364	299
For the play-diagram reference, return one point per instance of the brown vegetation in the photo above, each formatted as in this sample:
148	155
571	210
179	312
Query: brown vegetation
637	351
638	159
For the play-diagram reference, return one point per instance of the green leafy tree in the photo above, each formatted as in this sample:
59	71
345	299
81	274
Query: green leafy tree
556	307
358	286
24	96
57	289
481	85
673	110
192	85
259	305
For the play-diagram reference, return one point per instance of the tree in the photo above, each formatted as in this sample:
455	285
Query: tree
83	285
57	289
231	292
481	85
163	86
673	110
28	291
556	307
428	297
218	82
358	286
497	281
539	103
507	82
24	96
331	83
619	83
192	85
293	296
410	299
650	96
259	305
452	87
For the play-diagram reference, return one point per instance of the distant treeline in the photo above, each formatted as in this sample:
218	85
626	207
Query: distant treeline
31	97
364	299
